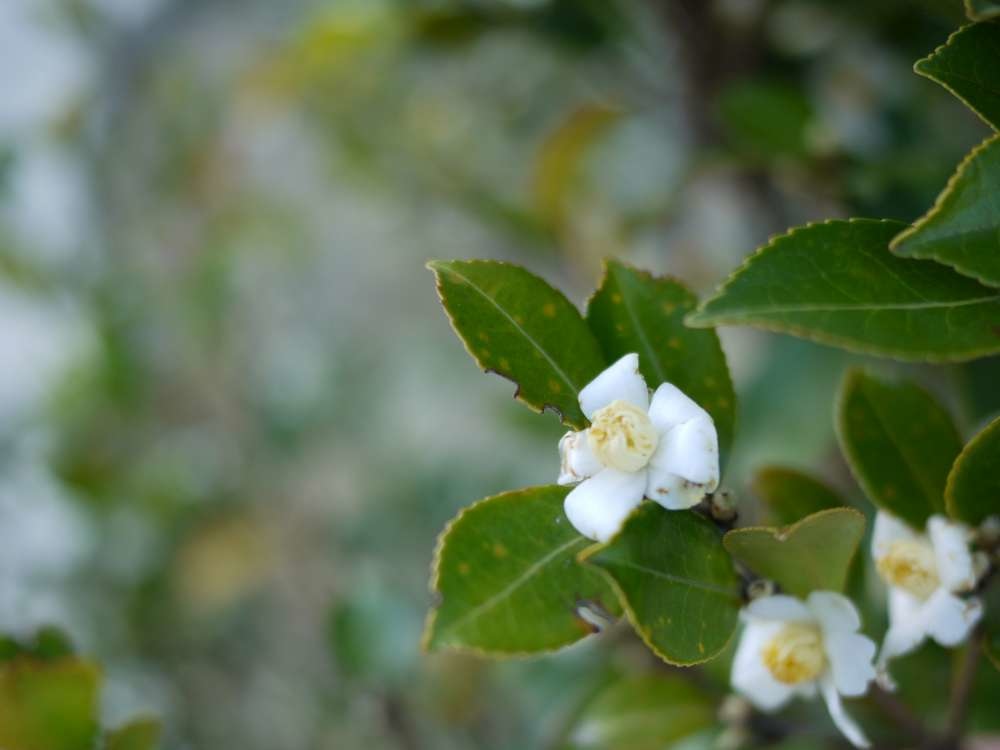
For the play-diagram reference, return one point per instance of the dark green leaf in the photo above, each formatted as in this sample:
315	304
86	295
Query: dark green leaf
973	491
966	65
899	442
643	713
633	311
837	283
47	643
813	554
962	230
516	325
991	622
676	581
508	577
138	734
791	495
48	705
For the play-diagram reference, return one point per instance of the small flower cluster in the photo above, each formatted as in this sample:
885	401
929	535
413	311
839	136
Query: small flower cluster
665	448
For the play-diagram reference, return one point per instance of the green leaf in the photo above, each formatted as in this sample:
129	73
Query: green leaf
813	554
516	325
643	712
837	283
791	495
508	578
138	734
899	442
48	705
973	490
633	311
962	230
982	10
966	66
676	581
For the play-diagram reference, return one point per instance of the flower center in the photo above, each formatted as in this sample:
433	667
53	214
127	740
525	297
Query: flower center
622	436
910	565
795	654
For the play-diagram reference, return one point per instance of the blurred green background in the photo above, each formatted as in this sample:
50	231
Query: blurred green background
232	416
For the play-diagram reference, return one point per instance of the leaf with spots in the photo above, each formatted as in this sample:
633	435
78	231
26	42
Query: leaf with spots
813	554
962	230
676	581
973	491
838	283
515	324
966	64
634	311
791	495
48	705
643	712
899	442
508	580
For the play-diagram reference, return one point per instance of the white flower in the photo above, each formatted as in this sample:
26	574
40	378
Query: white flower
925	573
790	647
665	449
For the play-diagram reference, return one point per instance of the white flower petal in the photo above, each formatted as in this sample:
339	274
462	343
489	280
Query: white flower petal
948	618
779	607
850	656
889	529
671	406
835	612
906	630
690	450
847	726
671	491
620	381
750	676
577	461
597	507
951	551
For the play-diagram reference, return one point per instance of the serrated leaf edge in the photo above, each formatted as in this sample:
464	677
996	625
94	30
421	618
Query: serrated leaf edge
692	298
949	488
436	267
930	76
783	533
431	618
584	559
895	244
840	430
697	319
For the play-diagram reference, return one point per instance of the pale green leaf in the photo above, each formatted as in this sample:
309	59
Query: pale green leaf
643	712
48	705
515	324
838	283
813	554
973	490
634	311
676	581
899	442
962	230
791	495
508	579
966	65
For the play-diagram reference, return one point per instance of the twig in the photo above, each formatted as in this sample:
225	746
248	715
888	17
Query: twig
899	713
961	687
